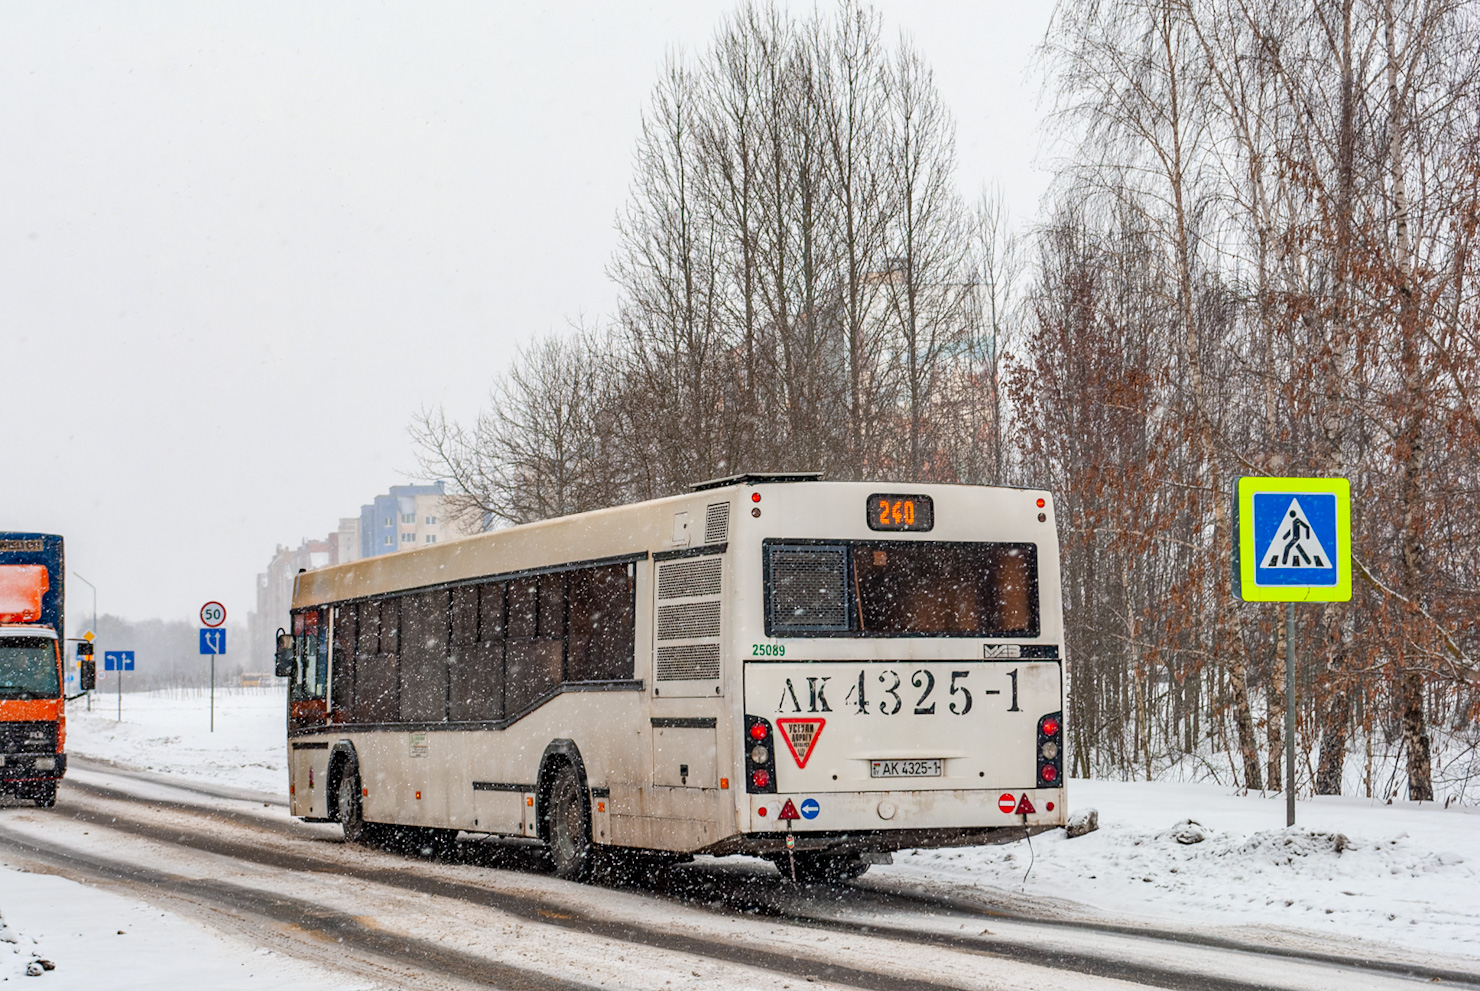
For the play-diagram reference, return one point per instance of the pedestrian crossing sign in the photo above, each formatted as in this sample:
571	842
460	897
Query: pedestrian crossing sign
1292	540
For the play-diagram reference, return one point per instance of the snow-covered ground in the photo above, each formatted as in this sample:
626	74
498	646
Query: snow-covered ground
97	940
1403	874
1364	874
170	732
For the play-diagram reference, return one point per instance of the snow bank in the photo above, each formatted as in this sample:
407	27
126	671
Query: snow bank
1196	855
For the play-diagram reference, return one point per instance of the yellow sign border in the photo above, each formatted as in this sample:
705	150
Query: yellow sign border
1250	590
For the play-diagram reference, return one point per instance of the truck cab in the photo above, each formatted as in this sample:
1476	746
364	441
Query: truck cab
33	726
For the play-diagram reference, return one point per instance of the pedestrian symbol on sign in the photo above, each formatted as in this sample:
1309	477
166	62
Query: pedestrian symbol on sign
1295	544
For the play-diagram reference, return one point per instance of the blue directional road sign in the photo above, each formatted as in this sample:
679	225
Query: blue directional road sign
212	641
810	808
1294	540
118	660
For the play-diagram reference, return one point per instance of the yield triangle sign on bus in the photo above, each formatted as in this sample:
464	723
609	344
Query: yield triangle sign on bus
801	737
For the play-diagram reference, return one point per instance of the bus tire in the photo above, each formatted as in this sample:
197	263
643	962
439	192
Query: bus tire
347	803
815	867
568	826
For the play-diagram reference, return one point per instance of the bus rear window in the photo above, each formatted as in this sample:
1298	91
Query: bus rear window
901	589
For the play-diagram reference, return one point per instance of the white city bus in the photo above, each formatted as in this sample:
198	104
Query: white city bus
815	672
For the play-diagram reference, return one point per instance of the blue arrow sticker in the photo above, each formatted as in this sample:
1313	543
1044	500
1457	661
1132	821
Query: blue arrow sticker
810	808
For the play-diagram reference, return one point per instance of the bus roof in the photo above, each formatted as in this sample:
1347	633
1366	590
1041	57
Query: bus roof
611	534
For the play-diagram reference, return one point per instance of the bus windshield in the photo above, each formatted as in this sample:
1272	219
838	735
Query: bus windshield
901	588
28	668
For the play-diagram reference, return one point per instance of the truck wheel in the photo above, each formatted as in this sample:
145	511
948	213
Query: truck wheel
347	804
568	839
47	796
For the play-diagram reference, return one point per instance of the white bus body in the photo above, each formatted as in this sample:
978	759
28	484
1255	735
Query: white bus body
695	663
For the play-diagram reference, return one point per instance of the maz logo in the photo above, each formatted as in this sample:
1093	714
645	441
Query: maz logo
995	650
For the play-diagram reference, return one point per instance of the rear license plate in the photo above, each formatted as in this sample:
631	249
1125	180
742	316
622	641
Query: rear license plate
906	768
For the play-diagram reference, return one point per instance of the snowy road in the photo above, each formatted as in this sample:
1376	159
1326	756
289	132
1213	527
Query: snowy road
236	862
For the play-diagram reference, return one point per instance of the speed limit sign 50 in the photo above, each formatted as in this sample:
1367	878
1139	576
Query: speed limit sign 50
213	614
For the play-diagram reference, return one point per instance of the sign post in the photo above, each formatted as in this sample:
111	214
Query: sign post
1292	543
119	661
213	642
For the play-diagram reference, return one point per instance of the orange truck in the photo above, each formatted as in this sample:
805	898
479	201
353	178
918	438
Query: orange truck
33	721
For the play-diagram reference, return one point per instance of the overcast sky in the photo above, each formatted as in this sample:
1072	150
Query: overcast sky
241	244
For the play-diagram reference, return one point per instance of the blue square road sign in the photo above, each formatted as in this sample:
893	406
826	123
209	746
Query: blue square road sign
118	660
212	641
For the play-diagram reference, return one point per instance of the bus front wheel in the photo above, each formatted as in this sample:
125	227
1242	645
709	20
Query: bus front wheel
568	829
347	804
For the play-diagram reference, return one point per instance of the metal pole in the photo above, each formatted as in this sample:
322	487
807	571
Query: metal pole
94	625
119	675
213	693
1289	713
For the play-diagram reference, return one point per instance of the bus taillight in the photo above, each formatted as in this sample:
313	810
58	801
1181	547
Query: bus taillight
760	757
1050	750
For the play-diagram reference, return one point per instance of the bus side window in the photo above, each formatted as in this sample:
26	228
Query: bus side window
424	657
346	625
600	625
532	658
476	667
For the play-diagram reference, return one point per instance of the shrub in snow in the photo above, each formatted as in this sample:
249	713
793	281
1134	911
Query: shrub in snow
1083	821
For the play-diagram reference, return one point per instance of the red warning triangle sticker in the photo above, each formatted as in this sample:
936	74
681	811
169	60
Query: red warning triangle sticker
1025	807
800	736
788	811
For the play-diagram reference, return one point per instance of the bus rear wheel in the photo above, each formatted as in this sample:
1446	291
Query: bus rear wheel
568	827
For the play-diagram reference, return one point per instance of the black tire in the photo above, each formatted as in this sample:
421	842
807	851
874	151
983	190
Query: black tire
568	827
47	797
347	805
814	867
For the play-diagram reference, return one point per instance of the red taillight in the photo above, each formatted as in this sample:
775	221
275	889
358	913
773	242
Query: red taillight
1050	727
755	497
760	778
758	731
1048	772
1041	504
761	811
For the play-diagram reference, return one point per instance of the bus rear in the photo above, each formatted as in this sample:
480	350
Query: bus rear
903	677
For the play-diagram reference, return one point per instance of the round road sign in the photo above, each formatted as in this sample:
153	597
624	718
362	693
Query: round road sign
1006	803
213	614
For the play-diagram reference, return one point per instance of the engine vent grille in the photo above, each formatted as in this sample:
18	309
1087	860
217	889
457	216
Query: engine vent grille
687	634
717	523
688	662
696	576
809	587
689	620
